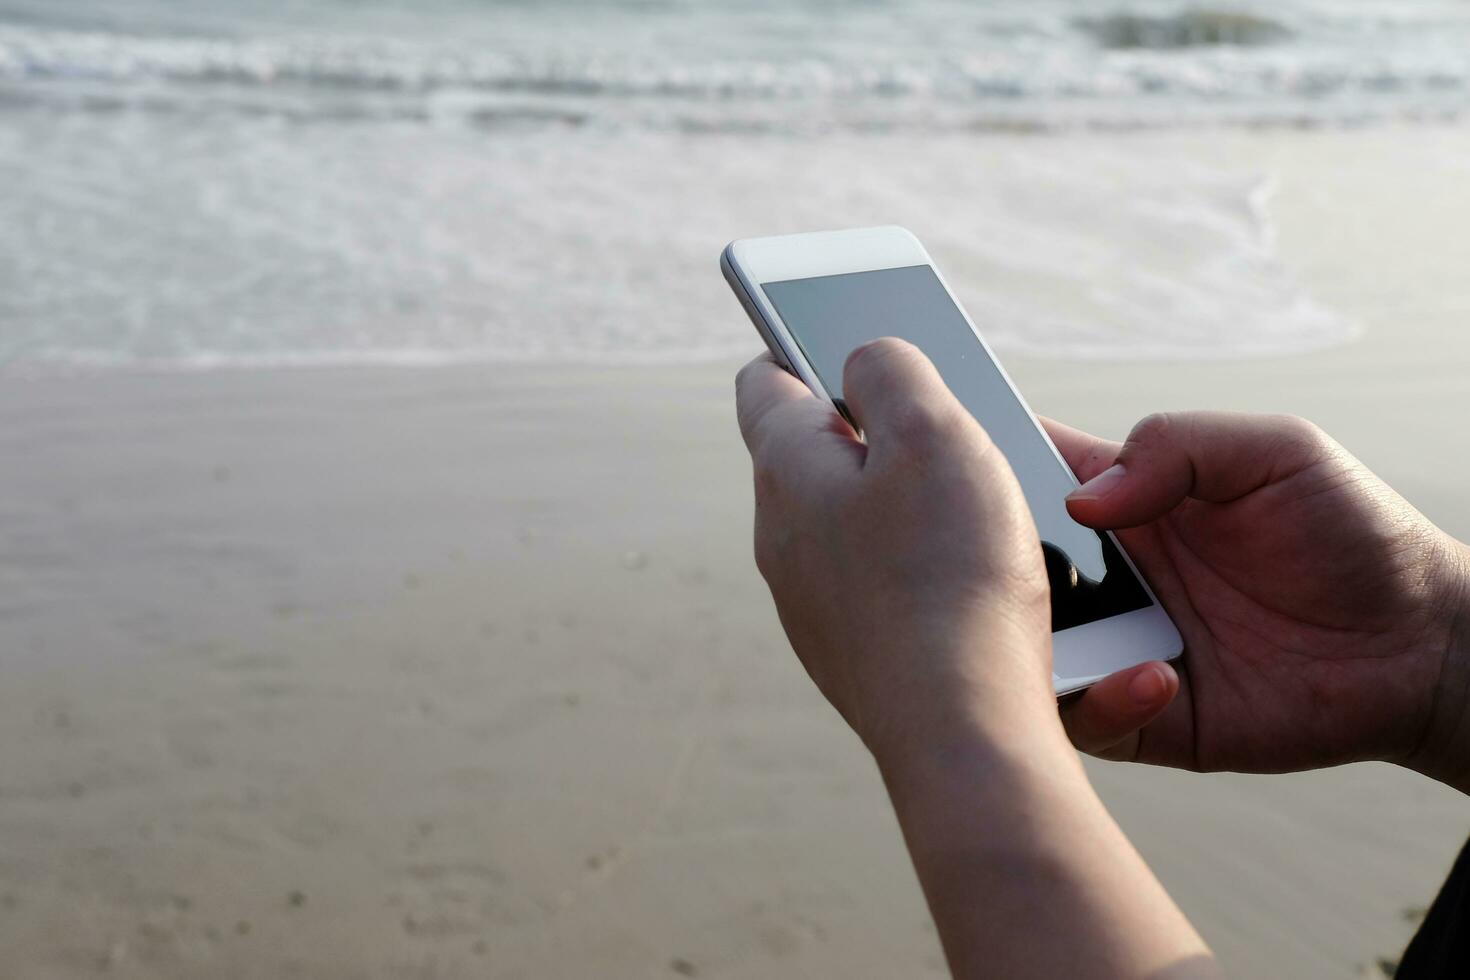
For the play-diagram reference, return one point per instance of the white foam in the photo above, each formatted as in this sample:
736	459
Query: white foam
305	246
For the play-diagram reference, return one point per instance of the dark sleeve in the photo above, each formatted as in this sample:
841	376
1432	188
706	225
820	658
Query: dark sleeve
1441	947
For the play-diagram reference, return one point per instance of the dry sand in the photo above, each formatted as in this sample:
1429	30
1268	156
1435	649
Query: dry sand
467	672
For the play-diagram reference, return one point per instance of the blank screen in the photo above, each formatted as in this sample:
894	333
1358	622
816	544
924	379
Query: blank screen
830	316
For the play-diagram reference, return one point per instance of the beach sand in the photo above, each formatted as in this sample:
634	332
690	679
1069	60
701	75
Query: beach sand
467	671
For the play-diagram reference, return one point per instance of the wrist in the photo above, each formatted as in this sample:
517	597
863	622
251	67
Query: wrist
967	691
1002	731
994	763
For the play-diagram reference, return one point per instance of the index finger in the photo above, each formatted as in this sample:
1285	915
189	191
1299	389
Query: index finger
796	439
1087	454
761	387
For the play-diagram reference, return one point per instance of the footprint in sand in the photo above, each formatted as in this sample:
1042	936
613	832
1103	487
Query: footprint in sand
446	899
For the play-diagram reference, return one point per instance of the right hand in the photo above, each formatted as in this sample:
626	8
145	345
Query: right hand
1320	612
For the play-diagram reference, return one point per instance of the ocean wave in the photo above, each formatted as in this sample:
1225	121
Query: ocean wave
497	113
1214	59
218	245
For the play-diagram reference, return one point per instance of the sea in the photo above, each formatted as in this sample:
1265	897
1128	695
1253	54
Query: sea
204	184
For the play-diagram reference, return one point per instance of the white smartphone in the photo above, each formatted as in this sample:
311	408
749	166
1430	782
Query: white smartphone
816	297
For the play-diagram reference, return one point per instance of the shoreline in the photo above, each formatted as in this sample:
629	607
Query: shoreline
1150	242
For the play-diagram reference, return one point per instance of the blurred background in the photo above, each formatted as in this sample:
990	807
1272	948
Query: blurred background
375	591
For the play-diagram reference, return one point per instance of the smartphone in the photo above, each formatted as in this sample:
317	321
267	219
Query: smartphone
816	297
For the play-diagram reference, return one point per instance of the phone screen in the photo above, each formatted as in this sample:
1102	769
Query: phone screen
830	316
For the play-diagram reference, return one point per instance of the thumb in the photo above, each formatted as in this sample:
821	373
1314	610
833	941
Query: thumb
897	398
1214	456
1106	720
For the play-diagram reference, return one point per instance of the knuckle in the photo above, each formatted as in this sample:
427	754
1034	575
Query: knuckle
877	361
1300	433
772	548
770	468
1151	429
750	408
761	362
742	376
893	347
767	479
743	380
1294	424
877	351
1300	443
768	427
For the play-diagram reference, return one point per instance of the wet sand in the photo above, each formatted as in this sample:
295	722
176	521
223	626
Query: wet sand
467	672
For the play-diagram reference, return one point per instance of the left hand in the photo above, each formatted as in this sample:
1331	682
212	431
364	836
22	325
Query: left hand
905	565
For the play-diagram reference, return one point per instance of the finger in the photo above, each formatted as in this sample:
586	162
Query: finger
1084	452
794	437
761	386
1214	456
1107	719
898	399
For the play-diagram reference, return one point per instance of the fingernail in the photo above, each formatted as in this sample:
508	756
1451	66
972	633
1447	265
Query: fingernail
1101	485
1147	686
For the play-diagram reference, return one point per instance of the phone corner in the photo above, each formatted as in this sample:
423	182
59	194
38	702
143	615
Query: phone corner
728	270
728	254
904	232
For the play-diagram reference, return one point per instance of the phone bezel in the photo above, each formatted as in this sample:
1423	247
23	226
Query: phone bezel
1081	655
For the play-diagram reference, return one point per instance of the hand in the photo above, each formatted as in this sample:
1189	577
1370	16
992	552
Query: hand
905	567
1317	606
908	574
